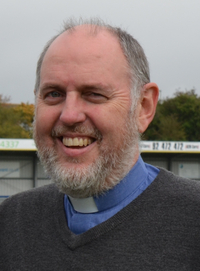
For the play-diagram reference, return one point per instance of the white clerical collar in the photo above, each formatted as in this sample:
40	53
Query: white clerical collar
114	196
85	205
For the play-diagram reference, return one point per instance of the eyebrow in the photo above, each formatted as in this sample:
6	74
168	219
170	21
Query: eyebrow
88	86
95	86
47	86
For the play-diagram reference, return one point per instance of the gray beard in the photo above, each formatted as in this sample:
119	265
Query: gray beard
103	174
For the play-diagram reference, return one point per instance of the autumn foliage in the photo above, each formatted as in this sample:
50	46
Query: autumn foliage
15	120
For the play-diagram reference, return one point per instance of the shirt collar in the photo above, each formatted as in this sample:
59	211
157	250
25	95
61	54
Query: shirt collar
116	195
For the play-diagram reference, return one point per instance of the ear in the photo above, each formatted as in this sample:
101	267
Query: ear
147	106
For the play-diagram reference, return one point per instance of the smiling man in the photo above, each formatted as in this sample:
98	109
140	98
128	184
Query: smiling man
87	121
108	210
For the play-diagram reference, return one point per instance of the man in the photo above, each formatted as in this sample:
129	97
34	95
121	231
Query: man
108	210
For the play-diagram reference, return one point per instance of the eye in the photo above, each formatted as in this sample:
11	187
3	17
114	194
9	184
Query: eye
94	97
96	94
54	94
53	97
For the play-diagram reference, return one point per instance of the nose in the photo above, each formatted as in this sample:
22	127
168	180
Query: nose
73	110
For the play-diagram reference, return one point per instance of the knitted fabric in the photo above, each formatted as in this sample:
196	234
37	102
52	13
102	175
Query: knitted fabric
159	230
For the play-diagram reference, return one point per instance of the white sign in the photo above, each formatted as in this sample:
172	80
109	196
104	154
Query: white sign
169	146
17	144
145	146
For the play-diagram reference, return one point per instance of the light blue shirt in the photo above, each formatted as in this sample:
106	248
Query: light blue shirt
108	204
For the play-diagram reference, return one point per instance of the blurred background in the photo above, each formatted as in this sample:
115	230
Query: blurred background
167	30
169	33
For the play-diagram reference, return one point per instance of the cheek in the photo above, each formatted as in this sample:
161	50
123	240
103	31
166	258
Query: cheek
45	119
102	119
109	122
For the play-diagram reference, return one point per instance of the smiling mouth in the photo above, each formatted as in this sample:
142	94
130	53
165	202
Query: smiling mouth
77	142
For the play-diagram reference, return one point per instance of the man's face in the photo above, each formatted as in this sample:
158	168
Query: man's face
83	121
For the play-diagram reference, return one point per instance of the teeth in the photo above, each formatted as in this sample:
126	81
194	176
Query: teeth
85	142
74	142
69	141
81	142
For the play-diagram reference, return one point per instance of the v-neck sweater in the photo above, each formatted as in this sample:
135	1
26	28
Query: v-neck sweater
159	230
130	187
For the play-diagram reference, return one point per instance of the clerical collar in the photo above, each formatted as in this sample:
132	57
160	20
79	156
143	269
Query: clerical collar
114	196
85	205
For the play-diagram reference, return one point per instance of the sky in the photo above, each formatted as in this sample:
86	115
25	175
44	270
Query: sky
169	32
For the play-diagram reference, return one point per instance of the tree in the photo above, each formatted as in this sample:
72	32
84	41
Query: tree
15	120
177	118
26	115
4	99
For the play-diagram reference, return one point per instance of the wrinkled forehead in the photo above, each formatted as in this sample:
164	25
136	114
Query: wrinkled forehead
91	37
88	42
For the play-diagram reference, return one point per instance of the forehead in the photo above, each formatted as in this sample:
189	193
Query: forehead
86	44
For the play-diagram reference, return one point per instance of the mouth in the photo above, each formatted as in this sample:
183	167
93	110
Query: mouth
77	142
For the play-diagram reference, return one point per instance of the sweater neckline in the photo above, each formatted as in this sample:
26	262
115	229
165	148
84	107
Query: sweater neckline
74	241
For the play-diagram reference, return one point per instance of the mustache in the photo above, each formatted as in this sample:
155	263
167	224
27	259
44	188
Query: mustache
58	131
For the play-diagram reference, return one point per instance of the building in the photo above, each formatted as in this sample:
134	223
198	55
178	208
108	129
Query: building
21	170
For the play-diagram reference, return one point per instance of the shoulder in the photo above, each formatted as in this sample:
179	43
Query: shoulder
176	191
170	180
31	200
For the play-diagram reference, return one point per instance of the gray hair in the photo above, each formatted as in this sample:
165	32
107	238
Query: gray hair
136	59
